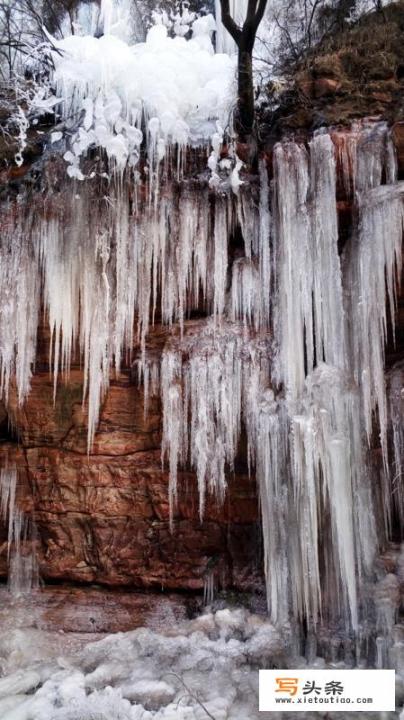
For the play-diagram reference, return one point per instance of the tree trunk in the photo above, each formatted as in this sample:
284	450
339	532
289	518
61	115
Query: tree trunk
244	37
244	120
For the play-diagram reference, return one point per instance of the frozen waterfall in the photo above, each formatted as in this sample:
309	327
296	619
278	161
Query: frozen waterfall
287	349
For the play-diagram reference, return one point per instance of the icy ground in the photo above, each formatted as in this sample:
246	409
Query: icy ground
171	669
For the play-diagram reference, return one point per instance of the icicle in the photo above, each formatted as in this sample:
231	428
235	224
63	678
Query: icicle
251	275
19	305
23	573
293	318
325	471
147	369
374	157
338	461
309	274
202	402
60	296
95	293
396	423
106	14
209	589
372	274
328	314
126	276
173	421
264	251
271	462
346	143
247	215
245	293
365	154
221	239
8	487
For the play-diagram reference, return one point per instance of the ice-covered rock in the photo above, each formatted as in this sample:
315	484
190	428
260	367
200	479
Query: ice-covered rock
152	694
181	87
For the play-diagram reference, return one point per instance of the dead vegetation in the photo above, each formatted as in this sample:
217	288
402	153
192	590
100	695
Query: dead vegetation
356	72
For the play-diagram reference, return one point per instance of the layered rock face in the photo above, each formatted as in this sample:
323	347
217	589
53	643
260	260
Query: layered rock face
104	517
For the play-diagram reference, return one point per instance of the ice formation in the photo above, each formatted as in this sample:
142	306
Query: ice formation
378	257
21	558
210	661
203	396
168	670
309	275
167	92
373	270
102	267
288	347
311	437
396	425
18	312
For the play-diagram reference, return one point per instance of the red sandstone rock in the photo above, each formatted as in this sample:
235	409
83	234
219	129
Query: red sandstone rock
94	610
122	429
105	517
325	86
305	84
107	520
383	97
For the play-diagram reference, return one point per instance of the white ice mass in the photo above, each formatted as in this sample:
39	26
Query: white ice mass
166	91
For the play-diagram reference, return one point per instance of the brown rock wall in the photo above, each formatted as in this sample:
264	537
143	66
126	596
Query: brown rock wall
104	517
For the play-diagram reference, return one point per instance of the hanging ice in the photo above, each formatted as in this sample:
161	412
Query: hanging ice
19	293
396	425
168	86
372	274
22	563
202	401
324	471
281	355
309	314
252	273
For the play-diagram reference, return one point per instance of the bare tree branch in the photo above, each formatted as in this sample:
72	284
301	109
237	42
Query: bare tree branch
228	22
245	39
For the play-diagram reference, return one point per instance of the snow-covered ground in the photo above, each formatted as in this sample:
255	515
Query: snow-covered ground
171	669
